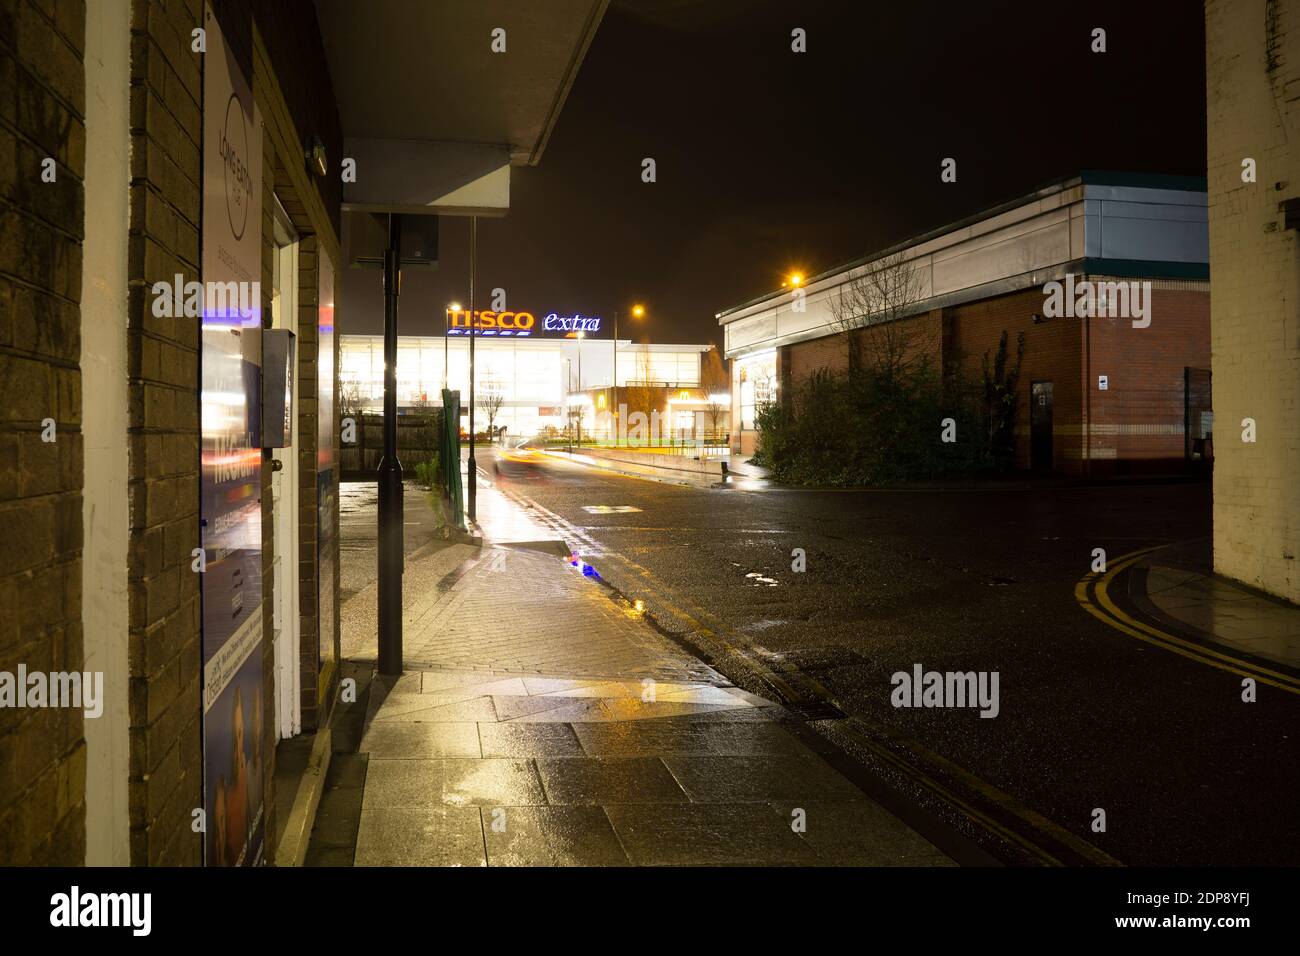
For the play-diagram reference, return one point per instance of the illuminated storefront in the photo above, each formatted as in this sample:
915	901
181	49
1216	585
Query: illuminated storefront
754	384
533	376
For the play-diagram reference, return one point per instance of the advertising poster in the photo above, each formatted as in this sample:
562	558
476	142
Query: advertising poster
230	479
326	467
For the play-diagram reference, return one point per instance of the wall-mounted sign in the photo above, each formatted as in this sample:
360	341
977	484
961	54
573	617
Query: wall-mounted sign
492	323
571	323
518	323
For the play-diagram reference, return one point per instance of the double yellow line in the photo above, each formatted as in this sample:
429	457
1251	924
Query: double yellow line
1092	593
915	761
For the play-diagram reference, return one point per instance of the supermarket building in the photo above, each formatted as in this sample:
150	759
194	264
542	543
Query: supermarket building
1099	394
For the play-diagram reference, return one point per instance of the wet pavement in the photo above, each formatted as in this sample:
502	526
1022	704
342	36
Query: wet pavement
474	769
1179	587
542	721
984	578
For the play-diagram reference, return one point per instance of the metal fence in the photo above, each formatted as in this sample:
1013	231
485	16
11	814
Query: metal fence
417	440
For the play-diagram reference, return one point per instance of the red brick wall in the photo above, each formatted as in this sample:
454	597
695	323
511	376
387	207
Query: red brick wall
1052	353
1138	421
805	358
42	114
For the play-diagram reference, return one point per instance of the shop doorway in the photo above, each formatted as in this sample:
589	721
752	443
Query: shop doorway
284	498
1040	426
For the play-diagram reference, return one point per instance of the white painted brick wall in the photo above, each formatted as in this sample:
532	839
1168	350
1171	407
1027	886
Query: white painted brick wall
1255	288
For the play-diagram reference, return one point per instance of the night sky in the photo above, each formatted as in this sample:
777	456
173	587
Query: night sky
771	161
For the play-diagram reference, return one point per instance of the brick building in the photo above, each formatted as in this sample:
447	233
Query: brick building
160	537
1103	393
1252	71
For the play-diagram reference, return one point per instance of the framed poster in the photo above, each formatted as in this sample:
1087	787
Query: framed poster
230	480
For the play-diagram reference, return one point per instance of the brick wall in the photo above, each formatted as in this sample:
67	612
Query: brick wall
1252	72
1053	353
308	439
1137	424
166	782
42	114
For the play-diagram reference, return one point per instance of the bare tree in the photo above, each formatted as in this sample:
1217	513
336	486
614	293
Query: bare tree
492	397
639	394
350	399
715	410
868	308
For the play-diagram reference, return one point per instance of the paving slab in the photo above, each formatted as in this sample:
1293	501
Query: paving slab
608	781
410	741
420	783
739	835
760	779
529	740
551	836
860	833
420	836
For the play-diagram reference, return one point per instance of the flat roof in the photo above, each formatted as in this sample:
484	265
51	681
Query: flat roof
1087	177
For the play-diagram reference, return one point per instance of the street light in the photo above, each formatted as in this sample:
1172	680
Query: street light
471	468
581	336
451	308
638	311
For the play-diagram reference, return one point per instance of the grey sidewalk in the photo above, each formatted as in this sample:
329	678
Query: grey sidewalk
542	722
1177	586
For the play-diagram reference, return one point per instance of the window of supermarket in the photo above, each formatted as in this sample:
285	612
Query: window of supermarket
533	376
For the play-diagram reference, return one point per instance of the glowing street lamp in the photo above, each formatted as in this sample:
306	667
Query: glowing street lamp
452	308
638	312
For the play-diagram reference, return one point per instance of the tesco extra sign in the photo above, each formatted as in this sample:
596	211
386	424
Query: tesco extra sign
571	323
492	323
518	323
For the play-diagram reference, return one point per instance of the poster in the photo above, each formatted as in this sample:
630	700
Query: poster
230	482
326	468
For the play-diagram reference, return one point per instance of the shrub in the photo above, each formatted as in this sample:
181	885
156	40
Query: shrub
881	423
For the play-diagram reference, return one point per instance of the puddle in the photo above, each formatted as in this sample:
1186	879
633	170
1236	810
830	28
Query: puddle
756	578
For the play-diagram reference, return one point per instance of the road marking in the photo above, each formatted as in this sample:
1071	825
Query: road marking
863	730
609	509
1105	610
921	754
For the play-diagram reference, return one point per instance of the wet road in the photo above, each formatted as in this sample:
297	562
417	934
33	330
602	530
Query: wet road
1089	719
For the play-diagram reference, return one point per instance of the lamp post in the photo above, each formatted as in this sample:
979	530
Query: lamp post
568	414
637	312
390	472
581	411
453	308
472	469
